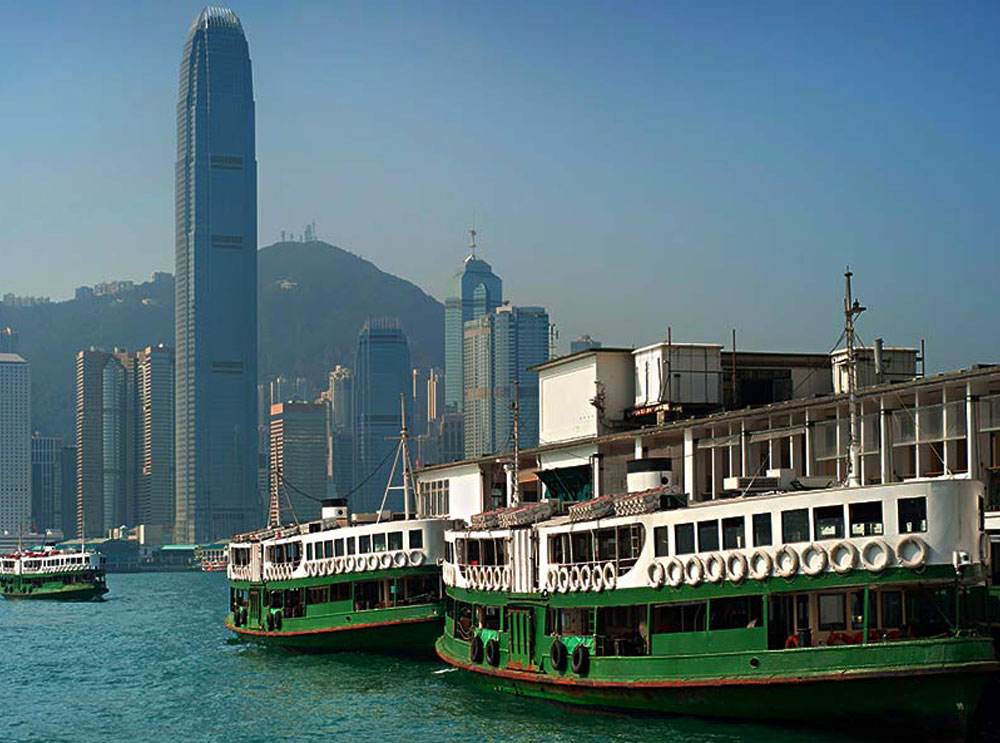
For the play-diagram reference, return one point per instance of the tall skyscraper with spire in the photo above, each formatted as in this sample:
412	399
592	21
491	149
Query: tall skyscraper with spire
216	283
474	291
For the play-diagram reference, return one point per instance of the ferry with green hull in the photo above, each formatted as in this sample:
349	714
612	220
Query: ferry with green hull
850	605
326	586
52	575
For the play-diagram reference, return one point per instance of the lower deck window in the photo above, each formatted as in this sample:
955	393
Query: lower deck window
832	611
912	515
829	522
488	617
578	622
684	539
671	618
738	612
795	525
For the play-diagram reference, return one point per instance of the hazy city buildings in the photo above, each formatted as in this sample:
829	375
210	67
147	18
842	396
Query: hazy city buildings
67	511
341	431
499	348
15	443
216	283
46	482
298	459
474	291
382	380
583	343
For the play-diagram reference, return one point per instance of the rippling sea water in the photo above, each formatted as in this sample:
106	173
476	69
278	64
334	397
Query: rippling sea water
154	663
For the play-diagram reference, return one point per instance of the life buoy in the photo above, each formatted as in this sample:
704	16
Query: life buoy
585	578
493	652
715	568
574	578
557	656
610	575
694	570
563	579
552	579
489	578
791	642
416	557
814	559
597	579
656	574
674	572
736	567
911	551
506	576
843	557
350	563
473	577
476	650
880	560
373	562
580	662
385	561
399	559
786	561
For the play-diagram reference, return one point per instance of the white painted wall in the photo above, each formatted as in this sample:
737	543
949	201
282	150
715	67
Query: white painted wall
696	370
465	488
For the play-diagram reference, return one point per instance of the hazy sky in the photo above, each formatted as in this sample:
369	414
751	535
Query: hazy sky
704	165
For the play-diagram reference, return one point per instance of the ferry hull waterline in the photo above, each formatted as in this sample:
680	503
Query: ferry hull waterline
52	576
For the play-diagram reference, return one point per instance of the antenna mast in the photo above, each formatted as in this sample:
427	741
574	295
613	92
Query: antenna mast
403	449
515	495
852	308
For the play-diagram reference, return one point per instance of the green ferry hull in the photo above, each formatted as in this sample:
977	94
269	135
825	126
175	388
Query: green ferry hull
402	637
942	698
75	593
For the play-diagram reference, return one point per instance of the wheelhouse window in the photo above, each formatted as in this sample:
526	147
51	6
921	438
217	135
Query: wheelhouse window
795	525
762	530
832	611
339	548
378	543
708	536
673	618
365	543
416	539
350	542
829	522
684	539
733	533
912	515
661	541
395	540
866	519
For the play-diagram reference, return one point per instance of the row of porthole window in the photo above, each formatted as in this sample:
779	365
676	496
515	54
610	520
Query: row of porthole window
864	520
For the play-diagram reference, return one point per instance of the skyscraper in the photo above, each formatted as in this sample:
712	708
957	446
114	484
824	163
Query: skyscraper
46	482
15	451
341	394
499	348
156	436
298	459
382	377
67	463
474	291
216	283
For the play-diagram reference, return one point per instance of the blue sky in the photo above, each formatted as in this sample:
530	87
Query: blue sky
630	165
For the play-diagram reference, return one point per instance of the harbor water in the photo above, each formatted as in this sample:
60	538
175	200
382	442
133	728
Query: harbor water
154	663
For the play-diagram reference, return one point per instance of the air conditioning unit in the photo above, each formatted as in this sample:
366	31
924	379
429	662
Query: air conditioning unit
750	484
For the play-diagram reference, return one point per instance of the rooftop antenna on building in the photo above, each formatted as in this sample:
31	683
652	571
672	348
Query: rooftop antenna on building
472	239
852	308
402	452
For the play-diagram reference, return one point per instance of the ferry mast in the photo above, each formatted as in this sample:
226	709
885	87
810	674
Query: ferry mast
852	308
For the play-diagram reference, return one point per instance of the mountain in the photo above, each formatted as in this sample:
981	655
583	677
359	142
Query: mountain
313	298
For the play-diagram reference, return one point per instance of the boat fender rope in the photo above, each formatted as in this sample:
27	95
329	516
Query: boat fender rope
814	559
913	559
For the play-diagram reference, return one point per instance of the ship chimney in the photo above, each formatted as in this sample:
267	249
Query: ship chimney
335	509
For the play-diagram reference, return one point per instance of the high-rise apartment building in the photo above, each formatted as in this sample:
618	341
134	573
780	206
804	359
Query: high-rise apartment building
298	459
499	349
382	381
216	283
46	482
15	443
474	291
156	435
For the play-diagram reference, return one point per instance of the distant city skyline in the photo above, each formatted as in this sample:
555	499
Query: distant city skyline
724	172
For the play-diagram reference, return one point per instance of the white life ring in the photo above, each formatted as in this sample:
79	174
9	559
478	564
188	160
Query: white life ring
736	567
350	563
610	575
814	559
585	578
597	579
552	580
848	562
373	562
310	569
911	551
715	568
574	578
385	560
674	572
694	570
656	574
786	561
563	579
477	577
880	561
399	559
506	577
417	557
